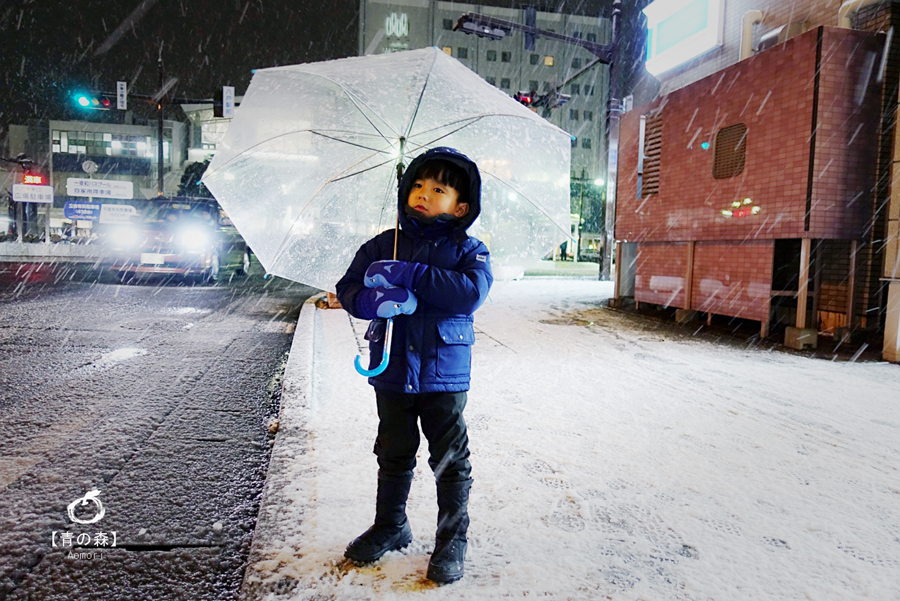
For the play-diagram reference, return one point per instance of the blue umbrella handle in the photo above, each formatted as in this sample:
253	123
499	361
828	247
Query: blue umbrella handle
385	358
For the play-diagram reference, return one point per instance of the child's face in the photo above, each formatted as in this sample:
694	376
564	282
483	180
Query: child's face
432	198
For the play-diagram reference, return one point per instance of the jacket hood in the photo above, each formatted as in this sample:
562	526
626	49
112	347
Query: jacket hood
409	222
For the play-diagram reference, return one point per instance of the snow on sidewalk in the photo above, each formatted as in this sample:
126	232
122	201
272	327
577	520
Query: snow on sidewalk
611	460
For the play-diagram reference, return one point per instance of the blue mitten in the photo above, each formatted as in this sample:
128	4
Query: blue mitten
394	273
385	302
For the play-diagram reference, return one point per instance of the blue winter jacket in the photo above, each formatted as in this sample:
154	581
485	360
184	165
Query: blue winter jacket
431	349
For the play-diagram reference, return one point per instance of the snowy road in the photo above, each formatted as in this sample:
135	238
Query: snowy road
153	395
612	459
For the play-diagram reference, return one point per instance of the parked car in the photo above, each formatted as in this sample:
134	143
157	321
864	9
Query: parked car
179	236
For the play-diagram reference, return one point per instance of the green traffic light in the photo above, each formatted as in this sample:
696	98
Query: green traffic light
83	101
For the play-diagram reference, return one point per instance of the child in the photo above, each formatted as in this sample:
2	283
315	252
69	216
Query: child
441	276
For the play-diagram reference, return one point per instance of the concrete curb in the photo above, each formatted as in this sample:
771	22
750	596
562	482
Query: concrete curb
39	252
272	541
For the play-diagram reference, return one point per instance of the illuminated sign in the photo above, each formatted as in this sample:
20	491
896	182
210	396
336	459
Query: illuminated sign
36	180
32	193
396	26
680	30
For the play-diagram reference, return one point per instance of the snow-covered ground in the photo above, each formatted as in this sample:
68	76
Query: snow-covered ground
611	460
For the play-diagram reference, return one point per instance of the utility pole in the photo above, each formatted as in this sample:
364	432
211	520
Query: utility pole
614	112
159	132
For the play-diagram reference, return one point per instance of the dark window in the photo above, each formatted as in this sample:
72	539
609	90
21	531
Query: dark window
652	146
532	85
504	83
576	63
586	143
588	115
575	89
448	24
492	55
592	37
589	90
574	142
506	57
491	81
576	35
573	114
546	86
462	53
535	59
730	150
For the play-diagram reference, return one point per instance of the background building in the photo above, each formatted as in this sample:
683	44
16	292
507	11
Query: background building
759	184
396	25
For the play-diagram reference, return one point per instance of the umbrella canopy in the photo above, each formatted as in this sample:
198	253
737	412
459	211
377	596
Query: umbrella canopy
308	168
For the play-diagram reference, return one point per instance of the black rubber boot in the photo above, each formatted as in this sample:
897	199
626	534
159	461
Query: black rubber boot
391	529
446	564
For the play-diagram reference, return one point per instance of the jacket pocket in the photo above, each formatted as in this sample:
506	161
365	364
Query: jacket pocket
454	347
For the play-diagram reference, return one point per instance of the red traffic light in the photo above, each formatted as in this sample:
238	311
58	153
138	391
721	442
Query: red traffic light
526	98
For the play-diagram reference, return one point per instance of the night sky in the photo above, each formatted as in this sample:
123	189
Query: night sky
51	47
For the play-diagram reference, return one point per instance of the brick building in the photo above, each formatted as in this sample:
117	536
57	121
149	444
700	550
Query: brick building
758	183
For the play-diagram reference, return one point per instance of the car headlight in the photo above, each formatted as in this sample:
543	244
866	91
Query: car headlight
194	238
125	237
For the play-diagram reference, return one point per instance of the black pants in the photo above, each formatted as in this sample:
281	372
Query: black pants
442	423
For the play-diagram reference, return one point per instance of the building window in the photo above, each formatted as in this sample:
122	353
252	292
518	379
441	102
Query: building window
448	50
588	115
574	142
586	143
462	53
533	85
106	144
448	24
576	35
505	84
573	114
546	87
592	37
730	151
535	59
491	80
491	55
648	165
575	89
589	90
576	63
506	57
548	61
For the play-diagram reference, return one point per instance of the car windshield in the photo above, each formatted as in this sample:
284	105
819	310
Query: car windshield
180	213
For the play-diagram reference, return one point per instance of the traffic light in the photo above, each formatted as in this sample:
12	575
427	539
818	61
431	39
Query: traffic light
470	23
526	98
94	101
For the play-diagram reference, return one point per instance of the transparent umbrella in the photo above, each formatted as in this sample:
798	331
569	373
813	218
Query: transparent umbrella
307	170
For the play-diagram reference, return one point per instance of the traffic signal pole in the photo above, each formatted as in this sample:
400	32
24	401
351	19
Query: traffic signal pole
493	28
614	112
159	136
160	99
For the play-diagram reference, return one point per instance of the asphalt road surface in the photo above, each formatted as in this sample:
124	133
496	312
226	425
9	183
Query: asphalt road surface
159	396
